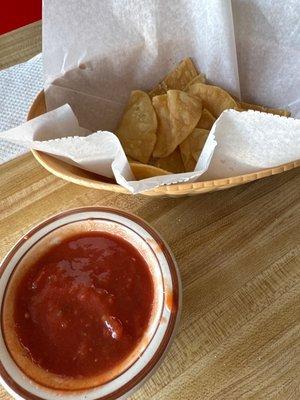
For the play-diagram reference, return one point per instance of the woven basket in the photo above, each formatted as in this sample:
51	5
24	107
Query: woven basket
85	178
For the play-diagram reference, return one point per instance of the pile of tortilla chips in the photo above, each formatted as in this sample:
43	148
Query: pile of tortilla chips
164	131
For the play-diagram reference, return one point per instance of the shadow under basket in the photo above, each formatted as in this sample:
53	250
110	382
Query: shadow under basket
91	180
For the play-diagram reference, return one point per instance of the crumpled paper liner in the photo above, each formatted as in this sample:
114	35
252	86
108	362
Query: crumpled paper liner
249	142
238	143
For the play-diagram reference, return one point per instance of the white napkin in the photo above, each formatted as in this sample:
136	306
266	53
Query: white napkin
18	87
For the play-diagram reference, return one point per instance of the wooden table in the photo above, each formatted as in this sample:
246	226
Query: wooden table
238	254
20	45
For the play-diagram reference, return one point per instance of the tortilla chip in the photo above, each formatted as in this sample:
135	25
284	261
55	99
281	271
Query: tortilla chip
160	104
137	130
157	91
214	99
239	108
185	113
172	163
200	137
181	75
176	79
144	171
198	79
206	121
191	148
177	115
257	107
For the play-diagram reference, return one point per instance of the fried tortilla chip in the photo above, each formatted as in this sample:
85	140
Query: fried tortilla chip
157	91
176	79
144	171
185	113
198	79
177	115
172	163
191	148
181	75
214	99
160	104
137	130
200	137
257	107
206	121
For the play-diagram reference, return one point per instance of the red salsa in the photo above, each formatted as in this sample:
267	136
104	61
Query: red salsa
84	306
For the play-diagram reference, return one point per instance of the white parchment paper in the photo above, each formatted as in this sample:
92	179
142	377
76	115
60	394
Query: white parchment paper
100	152
267	34
249	141
239	142
97	51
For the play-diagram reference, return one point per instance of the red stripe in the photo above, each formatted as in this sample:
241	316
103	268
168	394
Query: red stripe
17	13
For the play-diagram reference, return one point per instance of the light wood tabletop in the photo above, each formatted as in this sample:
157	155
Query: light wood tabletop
20	45
238	254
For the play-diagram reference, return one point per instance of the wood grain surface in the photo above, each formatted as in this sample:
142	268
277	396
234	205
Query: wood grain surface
238	254
20	45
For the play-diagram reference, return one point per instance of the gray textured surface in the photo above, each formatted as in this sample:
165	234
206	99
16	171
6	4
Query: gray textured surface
18	87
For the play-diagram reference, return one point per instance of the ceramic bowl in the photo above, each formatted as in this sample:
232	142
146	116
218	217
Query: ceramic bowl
140	364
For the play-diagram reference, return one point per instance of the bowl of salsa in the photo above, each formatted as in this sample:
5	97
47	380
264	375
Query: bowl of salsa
90	301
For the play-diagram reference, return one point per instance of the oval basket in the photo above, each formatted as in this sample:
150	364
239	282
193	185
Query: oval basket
85	178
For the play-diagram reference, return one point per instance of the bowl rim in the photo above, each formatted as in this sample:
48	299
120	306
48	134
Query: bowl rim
168	337
176	189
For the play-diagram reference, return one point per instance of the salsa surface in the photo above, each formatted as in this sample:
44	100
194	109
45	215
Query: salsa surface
84	306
